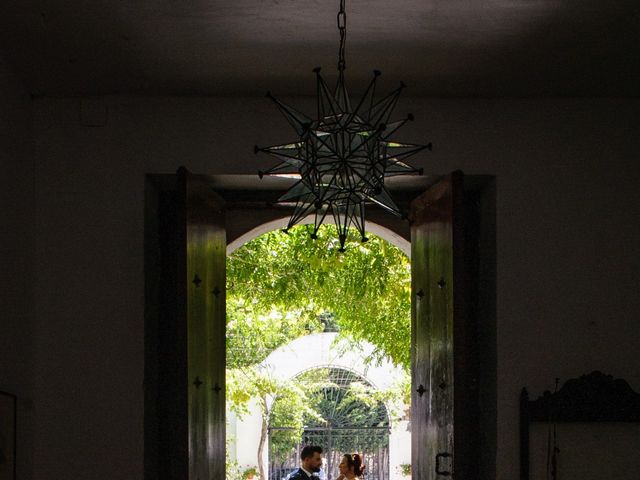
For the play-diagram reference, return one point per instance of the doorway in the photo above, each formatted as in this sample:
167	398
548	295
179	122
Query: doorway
314	336
175	398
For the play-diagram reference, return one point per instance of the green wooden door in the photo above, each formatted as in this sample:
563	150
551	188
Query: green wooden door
438	317
202	270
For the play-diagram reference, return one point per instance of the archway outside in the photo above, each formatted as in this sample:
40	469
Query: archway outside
279	223
353	420
312	354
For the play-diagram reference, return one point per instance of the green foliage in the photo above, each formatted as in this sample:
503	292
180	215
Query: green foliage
292	410
246	383
249	472
405	469
232	468
291	282
395	398
352	408
254	332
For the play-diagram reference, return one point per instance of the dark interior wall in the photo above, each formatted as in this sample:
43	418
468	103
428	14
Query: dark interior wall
16	253
486	333
568	267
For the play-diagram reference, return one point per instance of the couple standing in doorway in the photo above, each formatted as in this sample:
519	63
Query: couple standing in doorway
350	467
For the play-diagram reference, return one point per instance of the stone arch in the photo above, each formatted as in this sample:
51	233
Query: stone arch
279	223
317	351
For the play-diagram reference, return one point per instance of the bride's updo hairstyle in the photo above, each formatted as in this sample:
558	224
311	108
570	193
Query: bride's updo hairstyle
355	461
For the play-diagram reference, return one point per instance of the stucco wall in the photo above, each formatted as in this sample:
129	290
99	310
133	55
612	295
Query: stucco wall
567	235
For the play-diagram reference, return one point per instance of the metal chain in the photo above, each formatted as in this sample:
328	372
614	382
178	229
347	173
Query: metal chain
342	28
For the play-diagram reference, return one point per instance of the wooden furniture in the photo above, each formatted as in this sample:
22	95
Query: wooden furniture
595	397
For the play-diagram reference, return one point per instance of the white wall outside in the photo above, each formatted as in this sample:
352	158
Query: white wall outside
318	351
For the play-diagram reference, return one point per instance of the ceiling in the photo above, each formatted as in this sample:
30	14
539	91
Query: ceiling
441	48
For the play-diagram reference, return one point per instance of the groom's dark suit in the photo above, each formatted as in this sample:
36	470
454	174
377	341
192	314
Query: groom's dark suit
300	475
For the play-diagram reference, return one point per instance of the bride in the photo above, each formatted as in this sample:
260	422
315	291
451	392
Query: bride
350	467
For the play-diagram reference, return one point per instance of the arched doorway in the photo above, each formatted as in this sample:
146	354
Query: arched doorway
350	421
303	325
190	220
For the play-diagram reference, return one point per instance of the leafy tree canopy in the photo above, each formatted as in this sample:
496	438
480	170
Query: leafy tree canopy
281	287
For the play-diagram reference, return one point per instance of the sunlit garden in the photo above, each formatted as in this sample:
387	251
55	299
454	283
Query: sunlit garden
318	352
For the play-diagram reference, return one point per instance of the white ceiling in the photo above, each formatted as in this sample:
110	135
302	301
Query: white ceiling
460	48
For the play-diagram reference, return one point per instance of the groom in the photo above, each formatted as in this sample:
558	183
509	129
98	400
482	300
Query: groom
311	457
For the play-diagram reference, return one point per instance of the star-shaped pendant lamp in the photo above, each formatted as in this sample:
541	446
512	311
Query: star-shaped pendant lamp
343	155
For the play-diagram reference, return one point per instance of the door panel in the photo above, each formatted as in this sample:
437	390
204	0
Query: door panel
438	308
202	269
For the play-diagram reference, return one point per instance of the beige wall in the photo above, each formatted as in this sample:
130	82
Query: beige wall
16	255
567	246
